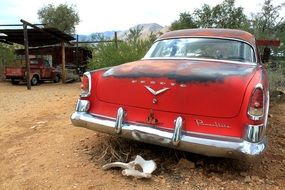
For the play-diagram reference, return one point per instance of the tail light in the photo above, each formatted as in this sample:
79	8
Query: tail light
256	104
86	85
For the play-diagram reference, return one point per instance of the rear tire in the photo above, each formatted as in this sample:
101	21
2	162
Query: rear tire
34	80
15	82
56	79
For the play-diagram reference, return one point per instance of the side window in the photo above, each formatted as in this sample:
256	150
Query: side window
46	64
33	62
249	54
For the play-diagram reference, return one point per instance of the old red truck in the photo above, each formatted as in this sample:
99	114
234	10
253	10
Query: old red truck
40	70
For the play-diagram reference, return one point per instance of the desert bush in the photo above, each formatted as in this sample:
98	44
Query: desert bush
7	57
276	77
131	49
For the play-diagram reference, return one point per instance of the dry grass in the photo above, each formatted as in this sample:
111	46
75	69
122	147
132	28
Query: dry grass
276	77
124	150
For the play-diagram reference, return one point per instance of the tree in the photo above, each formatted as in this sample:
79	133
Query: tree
265	22
63	17
224	15
204	16
185	21
269	24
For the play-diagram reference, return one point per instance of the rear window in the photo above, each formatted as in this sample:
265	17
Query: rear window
208	48
33	62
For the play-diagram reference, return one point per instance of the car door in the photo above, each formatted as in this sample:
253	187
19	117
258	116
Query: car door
47	70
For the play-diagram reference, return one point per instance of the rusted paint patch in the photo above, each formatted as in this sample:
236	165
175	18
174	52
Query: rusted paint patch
181	71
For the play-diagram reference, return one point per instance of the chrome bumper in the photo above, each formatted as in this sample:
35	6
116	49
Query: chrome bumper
208	145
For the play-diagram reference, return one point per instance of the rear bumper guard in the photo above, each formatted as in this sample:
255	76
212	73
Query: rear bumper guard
209	145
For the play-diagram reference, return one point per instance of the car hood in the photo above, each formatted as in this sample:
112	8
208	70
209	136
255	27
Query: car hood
199	87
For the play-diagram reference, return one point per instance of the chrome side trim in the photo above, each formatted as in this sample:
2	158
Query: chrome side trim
200	144
119	120
254	133
266	113
178	125
82	105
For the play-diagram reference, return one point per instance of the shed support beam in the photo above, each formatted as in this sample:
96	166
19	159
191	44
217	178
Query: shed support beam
63	62
26	42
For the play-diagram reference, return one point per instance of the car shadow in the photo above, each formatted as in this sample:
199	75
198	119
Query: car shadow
173	164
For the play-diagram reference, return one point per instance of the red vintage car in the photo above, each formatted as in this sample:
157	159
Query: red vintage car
198	90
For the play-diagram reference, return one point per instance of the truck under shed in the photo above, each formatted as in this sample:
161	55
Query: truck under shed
75	57
36	37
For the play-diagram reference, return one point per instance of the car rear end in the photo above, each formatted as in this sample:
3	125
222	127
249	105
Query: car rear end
209	122
210	106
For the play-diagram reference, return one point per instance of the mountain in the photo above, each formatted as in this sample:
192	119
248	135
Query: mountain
147	29
106	34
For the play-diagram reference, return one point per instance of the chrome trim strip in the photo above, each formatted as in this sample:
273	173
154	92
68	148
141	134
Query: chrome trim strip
253	117
266	113
213	37
155	93
84	95
200	59
82	105
178	125
184	132
200	144
119	120
254	133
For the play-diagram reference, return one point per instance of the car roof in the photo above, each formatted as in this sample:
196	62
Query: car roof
211	32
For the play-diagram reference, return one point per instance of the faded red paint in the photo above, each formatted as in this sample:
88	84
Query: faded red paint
211	96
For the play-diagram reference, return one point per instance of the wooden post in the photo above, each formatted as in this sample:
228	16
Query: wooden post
26	41
63	62
116	40
77	60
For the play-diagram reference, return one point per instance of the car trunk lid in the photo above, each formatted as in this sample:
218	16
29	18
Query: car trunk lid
198	87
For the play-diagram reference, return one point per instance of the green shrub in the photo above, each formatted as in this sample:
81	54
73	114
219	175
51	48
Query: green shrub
7	57
131	49
276	77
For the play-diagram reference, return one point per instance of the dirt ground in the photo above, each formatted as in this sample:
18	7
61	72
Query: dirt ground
40	149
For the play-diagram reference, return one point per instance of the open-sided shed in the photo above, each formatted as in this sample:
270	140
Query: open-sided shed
43	37
35	37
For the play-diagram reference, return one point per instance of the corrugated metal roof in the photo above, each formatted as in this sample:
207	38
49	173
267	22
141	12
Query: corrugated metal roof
48	36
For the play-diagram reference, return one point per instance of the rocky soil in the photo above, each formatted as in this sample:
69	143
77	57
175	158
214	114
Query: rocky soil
40	149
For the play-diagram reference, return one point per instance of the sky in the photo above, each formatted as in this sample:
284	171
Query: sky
109	15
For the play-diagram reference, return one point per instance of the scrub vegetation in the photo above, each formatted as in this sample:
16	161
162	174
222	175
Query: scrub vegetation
276	76
131	49
6	56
